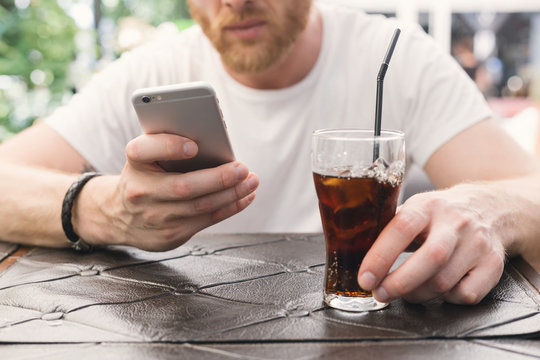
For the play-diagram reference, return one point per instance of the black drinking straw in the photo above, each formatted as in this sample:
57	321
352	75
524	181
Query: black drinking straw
380	80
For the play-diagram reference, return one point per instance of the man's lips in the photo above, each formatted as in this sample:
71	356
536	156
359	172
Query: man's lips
246	30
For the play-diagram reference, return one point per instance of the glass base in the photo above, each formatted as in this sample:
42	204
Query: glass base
354	304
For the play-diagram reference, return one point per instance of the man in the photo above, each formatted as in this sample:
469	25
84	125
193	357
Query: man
281	70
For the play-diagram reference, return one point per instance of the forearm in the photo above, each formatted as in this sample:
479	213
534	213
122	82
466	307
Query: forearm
519	200
143	206
31	201
510	210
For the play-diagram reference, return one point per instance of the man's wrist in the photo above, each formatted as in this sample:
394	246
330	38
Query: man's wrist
94	217
73	192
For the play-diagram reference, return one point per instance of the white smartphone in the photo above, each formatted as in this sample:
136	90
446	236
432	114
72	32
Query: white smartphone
190	110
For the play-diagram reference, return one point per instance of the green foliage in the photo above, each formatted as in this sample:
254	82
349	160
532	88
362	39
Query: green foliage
36	47
183	24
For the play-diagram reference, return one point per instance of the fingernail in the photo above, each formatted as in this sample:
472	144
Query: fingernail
240	170
367	281
252	182
190	149
381	294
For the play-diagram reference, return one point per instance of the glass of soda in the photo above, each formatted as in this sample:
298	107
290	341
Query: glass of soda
357	178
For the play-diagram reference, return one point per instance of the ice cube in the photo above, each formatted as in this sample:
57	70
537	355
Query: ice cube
384	172
347	173
330	181
395	172
397	167
376	170
380	163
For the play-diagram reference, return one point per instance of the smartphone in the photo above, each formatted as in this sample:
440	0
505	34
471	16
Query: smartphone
190	110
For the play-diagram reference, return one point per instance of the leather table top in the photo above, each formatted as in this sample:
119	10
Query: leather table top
247	296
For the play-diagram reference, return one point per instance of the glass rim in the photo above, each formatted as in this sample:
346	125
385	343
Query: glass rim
339	134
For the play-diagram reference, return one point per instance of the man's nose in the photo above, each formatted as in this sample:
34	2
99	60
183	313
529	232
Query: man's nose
237	4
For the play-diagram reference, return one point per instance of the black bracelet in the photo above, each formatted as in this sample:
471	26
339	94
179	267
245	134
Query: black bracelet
67	206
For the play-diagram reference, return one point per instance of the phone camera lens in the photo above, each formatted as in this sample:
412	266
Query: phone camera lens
146	99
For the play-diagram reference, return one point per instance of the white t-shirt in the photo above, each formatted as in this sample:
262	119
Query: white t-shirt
426	95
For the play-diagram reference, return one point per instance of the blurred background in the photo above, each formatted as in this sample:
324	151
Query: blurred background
50	48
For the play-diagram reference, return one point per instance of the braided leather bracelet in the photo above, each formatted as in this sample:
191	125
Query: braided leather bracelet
67	206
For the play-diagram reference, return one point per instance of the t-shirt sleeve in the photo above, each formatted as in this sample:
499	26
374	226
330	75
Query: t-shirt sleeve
440	100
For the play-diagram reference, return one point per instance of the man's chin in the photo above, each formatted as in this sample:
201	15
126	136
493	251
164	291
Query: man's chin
249	61
244	67
248	66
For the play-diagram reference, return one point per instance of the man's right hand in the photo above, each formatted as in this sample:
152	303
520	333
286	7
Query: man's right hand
155	210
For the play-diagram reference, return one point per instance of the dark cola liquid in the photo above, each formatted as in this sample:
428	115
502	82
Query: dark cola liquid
353	213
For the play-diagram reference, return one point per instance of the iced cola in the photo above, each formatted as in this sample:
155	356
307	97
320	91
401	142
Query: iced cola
353	210
357	178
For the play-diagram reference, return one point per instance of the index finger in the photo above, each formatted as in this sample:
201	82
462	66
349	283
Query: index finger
177	186
406	225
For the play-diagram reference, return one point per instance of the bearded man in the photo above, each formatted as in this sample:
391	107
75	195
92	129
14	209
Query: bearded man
282	69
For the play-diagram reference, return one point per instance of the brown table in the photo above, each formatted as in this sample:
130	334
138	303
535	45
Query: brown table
246	296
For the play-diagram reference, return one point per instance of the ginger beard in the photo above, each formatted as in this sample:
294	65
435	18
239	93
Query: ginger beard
250	56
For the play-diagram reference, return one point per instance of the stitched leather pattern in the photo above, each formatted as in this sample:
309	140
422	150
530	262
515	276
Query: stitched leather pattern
226	296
